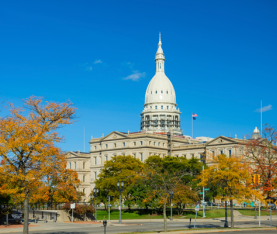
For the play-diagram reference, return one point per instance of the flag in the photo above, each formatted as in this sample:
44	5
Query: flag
194	116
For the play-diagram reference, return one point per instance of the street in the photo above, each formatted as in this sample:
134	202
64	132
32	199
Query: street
114	228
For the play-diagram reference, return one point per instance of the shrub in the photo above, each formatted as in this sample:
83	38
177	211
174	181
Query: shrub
79	209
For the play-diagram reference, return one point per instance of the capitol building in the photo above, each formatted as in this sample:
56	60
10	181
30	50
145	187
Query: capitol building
160	134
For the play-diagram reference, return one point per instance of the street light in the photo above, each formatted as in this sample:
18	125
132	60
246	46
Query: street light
120	189
171	196
95	194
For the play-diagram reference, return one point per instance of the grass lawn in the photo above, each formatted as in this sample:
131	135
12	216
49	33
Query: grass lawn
252	212
135	214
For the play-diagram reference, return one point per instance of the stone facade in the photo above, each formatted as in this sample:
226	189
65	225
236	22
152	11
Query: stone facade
141	145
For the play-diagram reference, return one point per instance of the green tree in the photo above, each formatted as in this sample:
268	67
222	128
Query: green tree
119	168
163	175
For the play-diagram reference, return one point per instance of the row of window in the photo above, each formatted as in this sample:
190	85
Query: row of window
156	92
162	107
118	144
222	152
107	158
75	165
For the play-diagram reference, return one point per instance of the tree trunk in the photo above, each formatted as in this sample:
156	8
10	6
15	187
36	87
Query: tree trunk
26	214
165	224
226	217
232	215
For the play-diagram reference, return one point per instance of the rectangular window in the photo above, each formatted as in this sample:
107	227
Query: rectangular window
70	165
141	157
150	107
149	142
162	107
163	144
95	147
84	178
158	143
106	146
141	143
192	155
95	175
156	107
201	158
135	156
75	165
185	156
167	107
135	143
106	157
84	165
114	144
95	161
123	143
154	143
230	153
221	152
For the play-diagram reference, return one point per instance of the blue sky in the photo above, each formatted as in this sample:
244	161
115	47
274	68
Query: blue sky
221	57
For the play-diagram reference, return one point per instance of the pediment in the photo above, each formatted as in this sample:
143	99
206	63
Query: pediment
114	136
221	140
72	155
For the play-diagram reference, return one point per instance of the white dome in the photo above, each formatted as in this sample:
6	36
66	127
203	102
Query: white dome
256	130
160	89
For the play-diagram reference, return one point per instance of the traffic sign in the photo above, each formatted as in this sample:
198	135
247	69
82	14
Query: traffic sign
200	192
207	189
197	208
72	206
109	205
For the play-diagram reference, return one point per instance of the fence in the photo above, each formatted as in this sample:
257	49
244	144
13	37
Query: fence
41	206
41	214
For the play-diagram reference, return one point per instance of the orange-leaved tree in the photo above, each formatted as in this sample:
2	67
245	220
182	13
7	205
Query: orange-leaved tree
232	177
262	155
27	144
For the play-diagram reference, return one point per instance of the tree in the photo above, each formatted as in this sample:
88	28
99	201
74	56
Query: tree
163	175
232	177
119	168
27	144
262	156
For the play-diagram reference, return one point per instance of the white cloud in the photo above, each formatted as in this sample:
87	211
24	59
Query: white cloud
98	61
264	109
135	76
89	68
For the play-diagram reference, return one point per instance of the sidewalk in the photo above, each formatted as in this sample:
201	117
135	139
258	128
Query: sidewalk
214	230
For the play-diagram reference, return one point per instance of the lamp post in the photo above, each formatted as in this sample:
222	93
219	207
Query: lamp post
120	189
95	195
171	196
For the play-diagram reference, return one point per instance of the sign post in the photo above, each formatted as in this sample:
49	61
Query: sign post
196	209
72	206
259	214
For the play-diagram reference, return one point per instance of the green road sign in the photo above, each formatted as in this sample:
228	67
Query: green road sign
200	192
207	189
